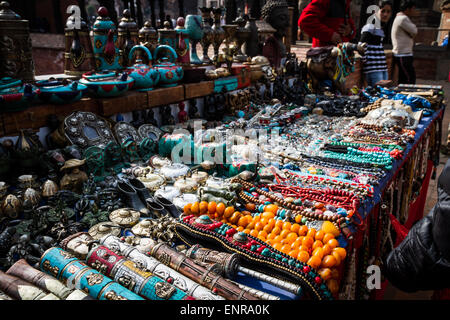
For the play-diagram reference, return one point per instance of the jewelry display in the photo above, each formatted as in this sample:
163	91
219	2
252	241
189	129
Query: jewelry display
253	180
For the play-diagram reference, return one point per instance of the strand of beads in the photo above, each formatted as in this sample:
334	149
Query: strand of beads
343	149
358	177
333	197
396	154
375	173
355	166
318	249
359	189
408	133
356	145
292	209
357	156
377	139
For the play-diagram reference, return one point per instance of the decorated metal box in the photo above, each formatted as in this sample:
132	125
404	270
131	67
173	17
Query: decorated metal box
243	74
229	83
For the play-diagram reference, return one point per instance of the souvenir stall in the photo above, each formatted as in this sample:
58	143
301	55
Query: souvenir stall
148	172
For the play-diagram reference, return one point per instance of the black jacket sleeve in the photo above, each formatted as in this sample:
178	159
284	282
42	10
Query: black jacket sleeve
421	261
366	37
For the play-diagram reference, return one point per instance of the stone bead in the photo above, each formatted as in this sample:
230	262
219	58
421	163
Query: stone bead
289	200
328	213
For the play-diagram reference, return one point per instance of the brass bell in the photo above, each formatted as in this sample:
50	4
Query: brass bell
186	185
104	228
143	228
3	189
200	176
11	206
50	188
32	196
27	181
125	217
246	175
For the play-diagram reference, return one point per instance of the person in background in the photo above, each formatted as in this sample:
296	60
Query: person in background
402	34
328	22
374	60
422	260
168	18
301	6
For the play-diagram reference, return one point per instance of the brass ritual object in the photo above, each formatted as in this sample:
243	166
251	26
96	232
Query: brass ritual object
16	59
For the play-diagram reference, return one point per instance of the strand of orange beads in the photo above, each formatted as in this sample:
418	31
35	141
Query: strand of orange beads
319	249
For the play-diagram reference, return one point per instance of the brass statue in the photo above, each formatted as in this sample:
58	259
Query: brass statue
74	180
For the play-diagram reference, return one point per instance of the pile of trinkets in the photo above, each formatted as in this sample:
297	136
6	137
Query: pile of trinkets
276	194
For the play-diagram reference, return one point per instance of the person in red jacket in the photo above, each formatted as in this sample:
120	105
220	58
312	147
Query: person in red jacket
328	22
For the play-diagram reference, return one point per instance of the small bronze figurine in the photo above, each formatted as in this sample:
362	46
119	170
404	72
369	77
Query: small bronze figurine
149	117
193	110
74	180
166	116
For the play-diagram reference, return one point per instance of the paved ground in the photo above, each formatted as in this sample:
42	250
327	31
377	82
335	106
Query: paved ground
392	292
